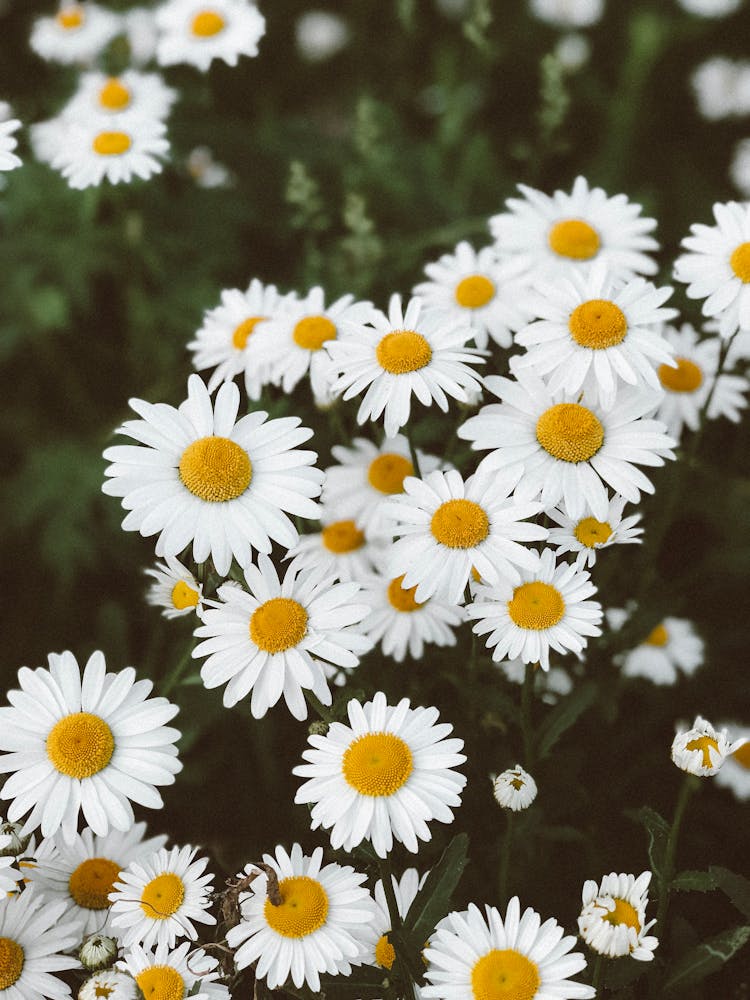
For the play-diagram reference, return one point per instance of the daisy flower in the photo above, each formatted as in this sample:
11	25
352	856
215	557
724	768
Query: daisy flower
670	649
547	610
196	32
206	477
384	775
111	984
319	35
78	33
567	231
320	925
735	771
141	33
568	13
84	744
475	289
721	87
449	527
176	590
514	789
710	8
585	536
262	641
613	918
157	898
91	150
570	451
33	936
341	549
405	891
171	974
702	750
8	142
472	956
144	94
402	354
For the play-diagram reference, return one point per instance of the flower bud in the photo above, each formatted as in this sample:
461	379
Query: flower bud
97	952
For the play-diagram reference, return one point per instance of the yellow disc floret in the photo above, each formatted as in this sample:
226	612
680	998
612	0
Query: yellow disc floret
207	23
657	637
598	324
403	351
460	524
163	896
740	262
80	745
303	908
114	95
402	599
574	238
623	913
92	881
313	331
590	532
387	472
184	596
385	953
742	756
377	764
278	625
112	143
11	962
570	432
504	974
705	744
161	982
686	377
343	536
71	17
243	331
474	291
536	606
215	469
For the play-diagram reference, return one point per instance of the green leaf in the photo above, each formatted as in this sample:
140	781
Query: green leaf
736	887
707	957
565	714
657	829
692	881
366	982
621	972
432	901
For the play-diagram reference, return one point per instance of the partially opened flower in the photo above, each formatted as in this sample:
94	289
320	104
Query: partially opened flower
613	919
164	973
514	789
176	590
702	750
735	771
33	937
195	32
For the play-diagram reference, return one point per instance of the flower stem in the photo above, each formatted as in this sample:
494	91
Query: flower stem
413	453
527	729
174	676
314	702
505	849
690	784
596	976
396	927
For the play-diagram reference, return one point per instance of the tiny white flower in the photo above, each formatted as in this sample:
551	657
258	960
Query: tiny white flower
586	536
176	590
514	789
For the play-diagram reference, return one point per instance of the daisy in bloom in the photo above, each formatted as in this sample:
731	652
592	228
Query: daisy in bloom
449	527
319	922
568	13
111	984
171	974
262	641
475	956
710	8
33	936
341	549
613	918
514	789
384	775
402	354
568	231
550	685
86	744
176	590
570	451
549	609
157	899
585	536
144	94
206	477
78	33
405	892
8	142
196	32
475	289
91	150
670	649
702	750
735	771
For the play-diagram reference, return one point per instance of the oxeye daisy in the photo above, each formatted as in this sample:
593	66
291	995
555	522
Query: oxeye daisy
670	649
514	789
8	142
176	590
586	535
568	13
91	150
568	231
570	451
475	956
319	922
107	97
111	984
76	34
33	936
384	775
402	354
702	750
405	892
340	549
85	744
613	919
549	609
735	771
165	973
157	899
206	477
198	31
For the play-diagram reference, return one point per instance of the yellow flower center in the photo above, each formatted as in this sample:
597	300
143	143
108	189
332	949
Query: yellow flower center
161	982
102	990
92	881
598	324
686	377
80	745
705	744
313	331
207	23
343	536
403	351
112	143
243	331
623	913
387	472
163	896
215	469
303	908
517	784
184	596
71	18
278	625
114	95
504	975
742	756
460	524
402	599
475	291
536	606
591	532
570	432
574	238
657	637
11	962
385	953
377	764
740	262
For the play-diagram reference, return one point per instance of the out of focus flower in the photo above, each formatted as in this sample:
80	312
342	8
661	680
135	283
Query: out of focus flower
78	33
144	94
142	34
195	34
8	142
573	51
710	8
670	649
206	171
585	536
549	685
90	150
613	918
568	13
722	88
319	35
739	169
702	750
176	590
735	771
514	789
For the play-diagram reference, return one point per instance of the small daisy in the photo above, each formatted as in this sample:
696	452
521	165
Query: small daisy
670	649
262	641
548	610
85	744
549	685
613	918
197	32
568	13
514	789
171	974
33	936
403	353
735	771
176	590
144	94
405	892
567	231
341	549
722	87
585	536
91	150
702	750
472	956
384	775
78	33
111	984
710	8
158	898
8	142
320	34
206	477
320	925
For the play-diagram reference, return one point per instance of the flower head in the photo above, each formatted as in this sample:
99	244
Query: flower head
197	33
702	750
514	789
33	938
613	918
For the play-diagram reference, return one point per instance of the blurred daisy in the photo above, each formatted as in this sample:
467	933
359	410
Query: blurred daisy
722	87
567	231
165	973
735	771
472	956
78	33
585	536
549	609
157	898
141	33
572	51
33	936
710	8
196	32
405	892
568	13
206	477
384	775
404	353
319	35
207	172
549	685
702	750
144	94
320	925
8	159
89	151
613	918
84	744
176	590
514	789
341	549
111	984
739	168
670	649
48	137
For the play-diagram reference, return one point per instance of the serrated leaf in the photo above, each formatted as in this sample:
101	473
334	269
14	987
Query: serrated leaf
707	957
366	982
433	900
657	830
735	886
565	714
692	881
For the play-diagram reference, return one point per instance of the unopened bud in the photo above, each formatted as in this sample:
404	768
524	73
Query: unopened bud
318	728
97	952
12	844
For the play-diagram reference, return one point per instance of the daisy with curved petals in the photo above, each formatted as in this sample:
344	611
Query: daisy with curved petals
8	142
613	918
164	973
340	549
320	925
670	649
405	891
91	150
548	610
514	789
201	475
475	956
735	771
145	94
111	984
199	31
585	536
76	34
402	354
702	750
32	939
384	775
84	744
176	590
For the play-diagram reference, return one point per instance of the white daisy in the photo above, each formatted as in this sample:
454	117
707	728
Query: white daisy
403	353
569	450
722	87
568	13
514	789
384	775
549	685
207	172
84	744
320	34
613	918
341	549
108	97
206	477
8	142
710	8
111	984
702	750
739	168
141	33
198	31
567	231
90	150
473	956
262	641
319	924
670	649
78	33
33	936
159	897
405	891
735	771
165	973
585	536
176	590
572	50
48	137
549	609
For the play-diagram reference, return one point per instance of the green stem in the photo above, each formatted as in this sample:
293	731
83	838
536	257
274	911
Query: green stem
313	701
174	677
505	849
413	453
703	414
527	728
396	926
690	784
596	976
